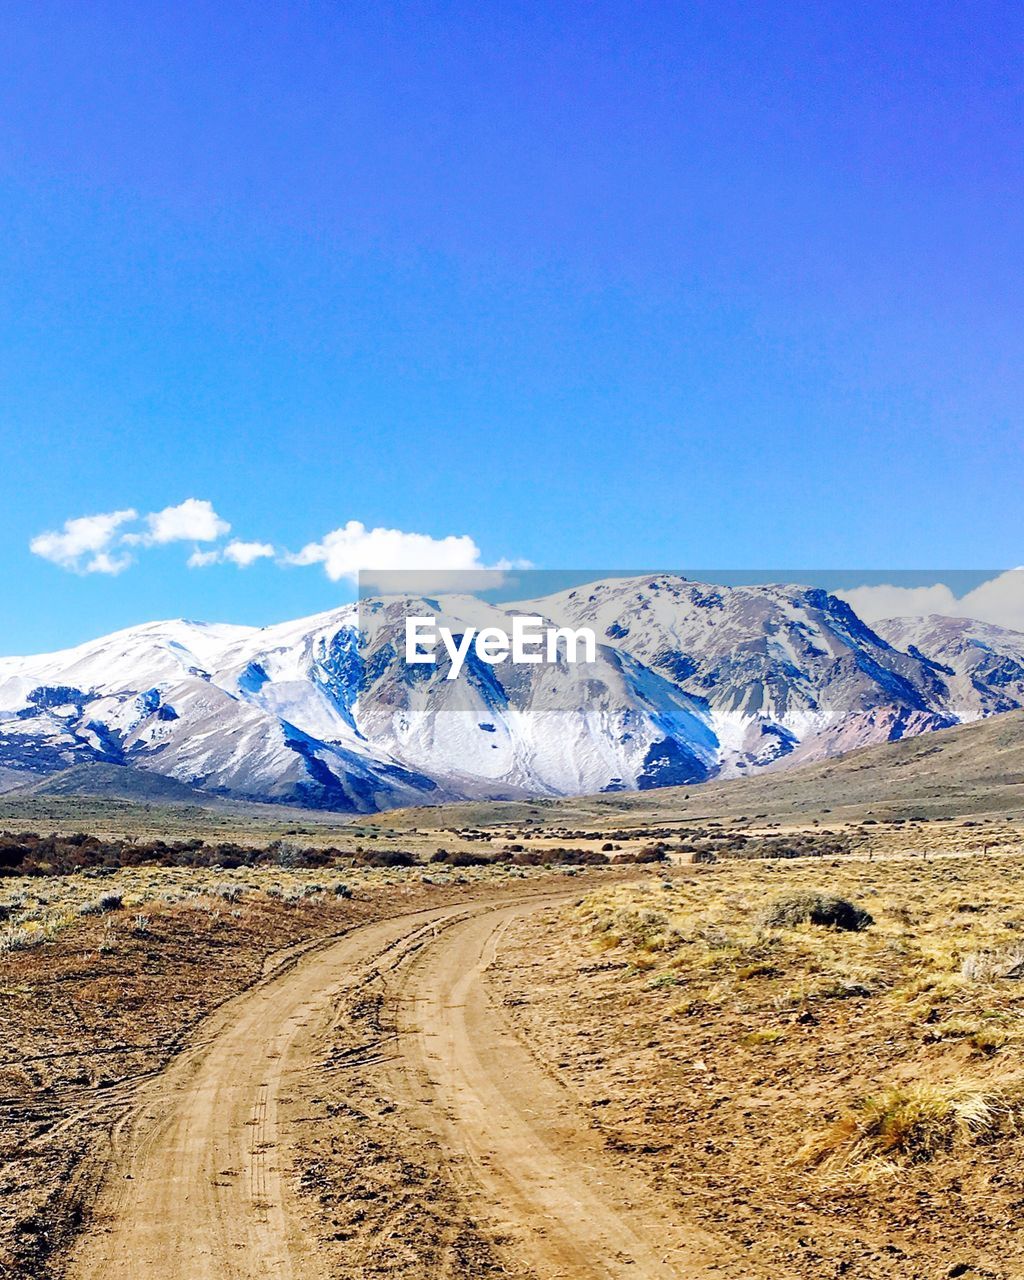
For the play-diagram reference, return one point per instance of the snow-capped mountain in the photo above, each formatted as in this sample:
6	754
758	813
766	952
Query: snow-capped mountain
559	729
205	705
981	664
784	671
689	681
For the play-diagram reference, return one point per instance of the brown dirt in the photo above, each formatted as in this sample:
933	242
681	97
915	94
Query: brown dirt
681	1091
469	1081
92	1017
370	1112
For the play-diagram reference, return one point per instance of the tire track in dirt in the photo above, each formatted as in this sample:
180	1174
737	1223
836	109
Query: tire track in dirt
196	1190
525	1157
200	1186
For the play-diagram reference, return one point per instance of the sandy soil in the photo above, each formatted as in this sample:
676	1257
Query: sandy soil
214	1169
709	1067
606	1076
99	1005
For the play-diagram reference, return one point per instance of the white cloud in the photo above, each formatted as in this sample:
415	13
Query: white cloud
200	559
193	520
236	552
100	544
84	544
884	601
108	562
1000	601
347	551
246	553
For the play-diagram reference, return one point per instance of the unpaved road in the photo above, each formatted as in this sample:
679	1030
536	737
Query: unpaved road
201	1189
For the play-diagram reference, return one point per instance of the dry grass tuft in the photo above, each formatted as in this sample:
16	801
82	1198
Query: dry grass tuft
845	1014
911	1123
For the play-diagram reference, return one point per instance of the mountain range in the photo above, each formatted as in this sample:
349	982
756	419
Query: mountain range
692	681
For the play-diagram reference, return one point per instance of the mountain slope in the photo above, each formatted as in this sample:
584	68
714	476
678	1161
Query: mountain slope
971	769
983	664
690	682
182	699
117	781
786	672
532	729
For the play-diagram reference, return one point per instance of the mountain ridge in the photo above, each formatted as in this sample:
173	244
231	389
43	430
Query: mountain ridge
691	681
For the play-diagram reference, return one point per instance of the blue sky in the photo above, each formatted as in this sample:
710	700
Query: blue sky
613	284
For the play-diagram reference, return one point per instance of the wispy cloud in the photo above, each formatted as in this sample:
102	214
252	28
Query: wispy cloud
84	544
1000	600
236	552
109	543
246	553
199	559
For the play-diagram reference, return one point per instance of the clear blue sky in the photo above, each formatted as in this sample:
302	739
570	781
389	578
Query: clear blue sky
604	284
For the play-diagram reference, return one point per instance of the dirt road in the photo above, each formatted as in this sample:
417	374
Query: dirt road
202	1189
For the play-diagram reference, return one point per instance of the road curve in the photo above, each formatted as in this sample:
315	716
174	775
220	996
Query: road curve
525	1155
198	1190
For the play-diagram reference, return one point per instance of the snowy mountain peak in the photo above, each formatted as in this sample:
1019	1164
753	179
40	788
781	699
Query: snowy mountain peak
691	680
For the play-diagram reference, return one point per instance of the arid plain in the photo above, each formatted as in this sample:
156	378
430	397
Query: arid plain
757	1028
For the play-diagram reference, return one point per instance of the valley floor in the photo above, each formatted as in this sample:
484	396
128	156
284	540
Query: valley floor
824	1103
631	1072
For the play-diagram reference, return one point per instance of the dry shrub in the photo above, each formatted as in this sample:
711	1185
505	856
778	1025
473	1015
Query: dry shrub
989	966
816	908
104	903
908	1124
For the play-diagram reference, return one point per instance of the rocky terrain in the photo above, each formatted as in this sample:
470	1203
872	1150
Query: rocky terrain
690	683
